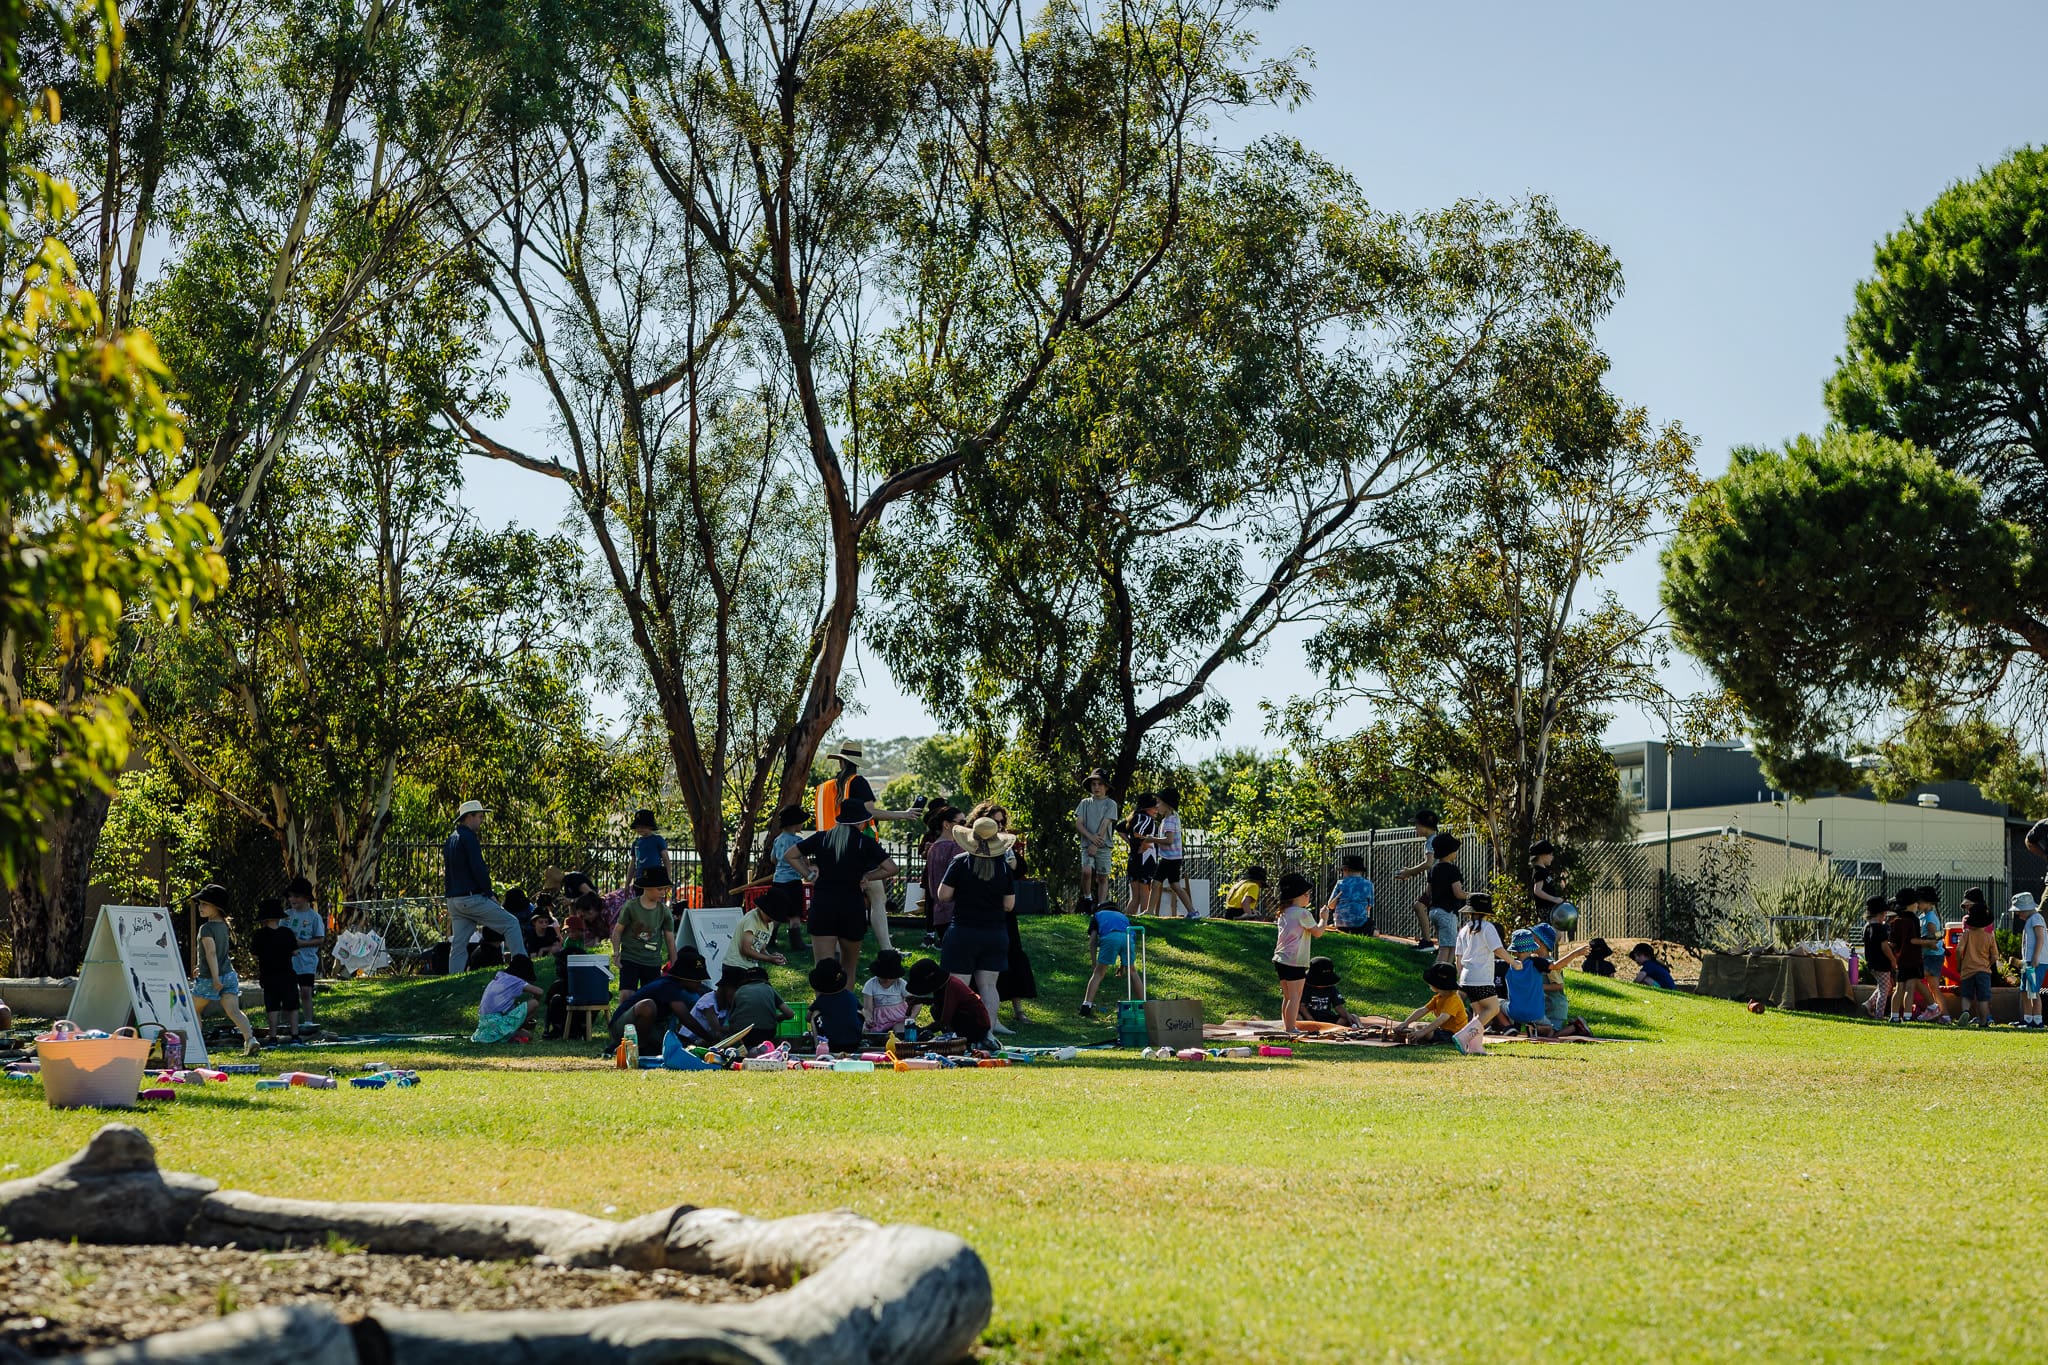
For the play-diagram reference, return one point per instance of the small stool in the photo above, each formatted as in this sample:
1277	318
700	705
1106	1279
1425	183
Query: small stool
587	1015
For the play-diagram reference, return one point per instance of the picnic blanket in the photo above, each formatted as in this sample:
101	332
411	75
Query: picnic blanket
1373	1031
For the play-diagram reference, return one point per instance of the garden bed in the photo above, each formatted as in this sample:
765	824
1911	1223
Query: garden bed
59	1297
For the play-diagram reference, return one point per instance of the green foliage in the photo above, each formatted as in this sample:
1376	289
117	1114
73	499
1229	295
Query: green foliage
1937	747
1946	347
88	540
1789	578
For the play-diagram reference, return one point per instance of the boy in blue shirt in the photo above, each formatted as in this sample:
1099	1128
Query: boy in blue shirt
1109	940
787	886
835	1013
1525	983
650	850
1350	905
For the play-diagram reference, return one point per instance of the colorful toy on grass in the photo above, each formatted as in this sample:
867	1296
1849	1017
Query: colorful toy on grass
158	1093
310	1080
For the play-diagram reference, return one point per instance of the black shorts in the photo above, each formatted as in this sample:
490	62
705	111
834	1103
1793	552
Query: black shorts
836	915
305	980
280	993
968	949
634	975
1169	871
1287	973
1914	968
1143	873
1475	994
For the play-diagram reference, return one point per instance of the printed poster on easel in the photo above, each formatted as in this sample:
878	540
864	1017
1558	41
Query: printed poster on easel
133	968
712	930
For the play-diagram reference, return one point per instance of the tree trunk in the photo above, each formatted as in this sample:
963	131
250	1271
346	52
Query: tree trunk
47	909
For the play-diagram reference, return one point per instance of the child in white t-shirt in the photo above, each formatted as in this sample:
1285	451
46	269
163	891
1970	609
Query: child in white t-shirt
1295	927
885	1000
1479	947
2033	960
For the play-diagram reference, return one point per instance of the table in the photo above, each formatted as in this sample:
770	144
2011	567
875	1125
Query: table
1805	983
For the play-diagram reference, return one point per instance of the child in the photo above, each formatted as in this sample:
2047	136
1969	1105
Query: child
1427	939
711	1017
1322	998
1109	943
1478	946
1350	905
2033	958
1445	1013
274	945
1557	1008
309	927
546	936
1095	822
1877	955
662	1003
1909	967
507	1002
1599	958
650	850
645	935
956	1007
1241	897
884	1000
757	1008
1295	927
1173	886
1933	951
1649	971
1141	866
1976	959
835	1013
1446	893
757	931
786	886
213	970
1525	984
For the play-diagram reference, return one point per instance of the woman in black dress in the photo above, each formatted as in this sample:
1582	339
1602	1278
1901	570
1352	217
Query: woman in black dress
1017	983
841	863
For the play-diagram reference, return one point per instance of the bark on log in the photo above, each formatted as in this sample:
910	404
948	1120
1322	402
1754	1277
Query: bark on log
302	1333
475	1232
861	1292
110	1192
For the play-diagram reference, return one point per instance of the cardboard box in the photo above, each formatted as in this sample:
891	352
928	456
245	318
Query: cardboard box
1174	1023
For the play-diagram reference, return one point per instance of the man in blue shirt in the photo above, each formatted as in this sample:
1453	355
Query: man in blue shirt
472	905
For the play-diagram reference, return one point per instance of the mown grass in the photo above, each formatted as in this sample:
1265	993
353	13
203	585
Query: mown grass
1712	1185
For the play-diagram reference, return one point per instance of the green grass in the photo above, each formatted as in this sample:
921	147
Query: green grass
1713	1185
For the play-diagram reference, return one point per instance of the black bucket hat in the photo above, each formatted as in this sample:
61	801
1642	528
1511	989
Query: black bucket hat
215	895
888	965
1541	847
644	819
1322	971
1440	976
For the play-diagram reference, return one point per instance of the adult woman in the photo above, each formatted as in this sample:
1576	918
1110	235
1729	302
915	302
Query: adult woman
841	863
855	791
213	972
979	887
939	853
1016	983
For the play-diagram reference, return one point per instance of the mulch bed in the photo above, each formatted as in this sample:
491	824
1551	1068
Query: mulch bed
56	1298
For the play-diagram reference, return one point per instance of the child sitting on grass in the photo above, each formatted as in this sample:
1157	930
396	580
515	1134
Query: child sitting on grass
509	998
835	1013
662	1003
1557	1006
955	1005
1649	971
1350	905
1322	998
1525	984
757	1008
1294	928
1445	1013
711	1017
1109	944
1241	897
885	1000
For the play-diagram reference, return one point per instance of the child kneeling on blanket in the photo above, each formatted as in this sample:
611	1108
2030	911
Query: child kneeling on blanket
507	1002
1445	1013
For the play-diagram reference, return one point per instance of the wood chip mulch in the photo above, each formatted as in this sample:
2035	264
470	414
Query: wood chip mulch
56	1298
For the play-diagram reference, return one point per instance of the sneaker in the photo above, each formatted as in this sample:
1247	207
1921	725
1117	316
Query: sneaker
1087	1009
930	941
250	1047
1929	1015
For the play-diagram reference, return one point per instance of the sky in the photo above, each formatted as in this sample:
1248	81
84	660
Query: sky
1741	159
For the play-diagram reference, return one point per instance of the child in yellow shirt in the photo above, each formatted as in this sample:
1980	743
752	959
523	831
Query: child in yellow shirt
1241	897
1445	1013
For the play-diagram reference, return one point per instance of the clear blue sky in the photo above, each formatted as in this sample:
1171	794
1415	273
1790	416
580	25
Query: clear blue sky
1742	159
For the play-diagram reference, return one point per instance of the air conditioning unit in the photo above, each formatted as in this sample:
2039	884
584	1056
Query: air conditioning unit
1859	869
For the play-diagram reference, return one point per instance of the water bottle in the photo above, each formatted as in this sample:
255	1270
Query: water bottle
630	1050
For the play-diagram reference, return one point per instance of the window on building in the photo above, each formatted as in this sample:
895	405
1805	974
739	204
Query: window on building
1634	790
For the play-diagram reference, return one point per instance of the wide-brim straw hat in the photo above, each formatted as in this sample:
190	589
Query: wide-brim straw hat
984	839
848	754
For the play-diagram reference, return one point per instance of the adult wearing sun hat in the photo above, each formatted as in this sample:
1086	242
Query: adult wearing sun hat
472	904
841	863
983	895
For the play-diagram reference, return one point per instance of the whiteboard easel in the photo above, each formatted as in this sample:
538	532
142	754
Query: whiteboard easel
712	930
133	967
1198	897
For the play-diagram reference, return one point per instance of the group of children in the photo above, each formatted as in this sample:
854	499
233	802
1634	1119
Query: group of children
1155	854
1905	948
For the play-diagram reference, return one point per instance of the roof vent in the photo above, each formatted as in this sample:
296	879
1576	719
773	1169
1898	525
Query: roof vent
1927	801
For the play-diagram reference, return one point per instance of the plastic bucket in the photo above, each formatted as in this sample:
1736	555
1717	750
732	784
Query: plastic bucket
797	1025
1130	1023
93	1073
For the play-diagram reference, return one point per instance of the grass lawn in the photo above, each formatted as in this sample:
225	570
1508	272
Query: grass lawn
1713	1184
